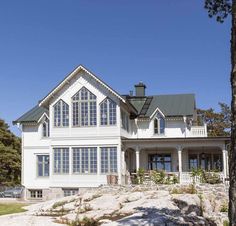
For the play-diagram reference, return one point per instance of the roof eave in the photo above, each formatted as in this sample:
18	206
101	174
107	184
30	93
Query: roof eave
70	75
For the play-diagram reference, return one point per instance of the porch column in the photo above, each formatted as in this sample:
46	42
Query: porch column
137	151
179	148
123	165
224	152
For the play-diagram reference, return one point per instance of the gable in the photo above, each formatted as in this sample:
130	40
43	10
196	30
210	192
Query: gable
69	78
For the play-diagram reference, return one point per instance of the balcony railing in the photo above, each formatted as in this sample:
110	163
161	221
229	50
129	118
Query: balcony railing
198	131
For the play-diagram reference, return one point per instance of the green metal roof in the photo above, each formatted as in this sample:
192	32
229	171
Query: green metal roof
169	105
32	116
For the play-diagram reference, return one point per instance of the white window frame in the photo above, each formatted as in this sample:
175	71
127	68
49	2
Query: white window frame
157	130
64	163
78	119
43	165
63	119
124	121
90	160
109	160
111	120
46	129
38	193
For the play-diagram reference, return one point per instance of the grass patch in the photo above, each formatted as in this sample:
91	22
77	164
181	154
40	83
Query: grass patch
10	208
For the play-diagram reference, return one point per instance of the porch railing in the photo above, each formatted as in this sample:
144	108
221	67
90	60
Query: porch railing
198	131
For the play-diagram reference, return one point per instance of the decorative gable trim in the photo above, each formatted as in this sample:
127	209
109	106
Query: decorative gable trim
44	114
157	110
71	75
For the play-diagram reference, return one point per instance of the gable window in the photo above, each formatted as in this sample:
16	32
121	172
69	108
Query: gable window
159	124
61	160
61	114
85	160
45	128
108	160
84	105
42	165
108	112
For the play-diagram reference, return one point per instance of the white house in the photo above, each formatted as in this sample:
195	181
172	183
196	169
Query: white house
83	130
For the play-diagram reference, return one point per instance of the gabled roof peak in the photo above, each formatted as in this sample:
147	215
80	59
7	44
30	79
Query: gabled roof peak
71	75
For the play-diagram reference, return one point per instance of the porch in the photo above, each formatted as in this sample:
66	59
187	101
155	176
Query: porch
175	156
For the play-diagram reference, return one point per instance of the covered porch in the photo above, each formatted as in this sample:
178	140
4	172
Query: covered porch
175	156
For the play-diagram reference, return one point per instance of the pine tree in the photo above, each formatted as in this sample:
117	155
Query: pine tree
10	156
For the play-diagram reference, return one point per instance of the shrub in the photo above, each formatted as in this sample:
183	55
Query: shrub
225	223
211	177
158	177
224	207
57	204
140	175
84	222
188	189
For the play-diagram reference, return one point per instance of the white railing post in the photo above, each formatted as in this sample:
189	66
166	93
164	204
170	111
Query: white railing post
137	151
179	148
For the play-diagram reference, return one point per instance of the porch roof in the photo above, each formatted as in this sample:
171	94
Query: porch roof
177	139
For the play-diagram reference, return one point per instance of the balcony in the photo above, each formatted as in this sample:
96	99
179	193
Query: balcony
198	131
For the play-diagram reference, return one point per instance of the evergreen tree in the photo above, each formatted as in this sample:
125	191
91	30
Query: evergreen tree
218	123
10	156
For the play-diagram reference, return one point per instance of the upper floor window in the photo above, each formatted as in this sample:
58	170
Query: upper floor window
125	121
84	105
61	114
159	124
45	128
108	112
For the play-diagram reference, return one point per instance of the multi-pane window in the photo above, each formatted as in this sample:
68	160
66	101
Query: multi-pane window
45	128
193	161
61	160
42	165
84	105
159	124
159	162
125	121
108	112
61	114
36	194
70	191
108	160
85	160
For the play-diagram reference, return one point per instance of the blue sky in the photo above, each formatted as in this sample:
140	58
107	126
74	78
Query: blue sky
172	46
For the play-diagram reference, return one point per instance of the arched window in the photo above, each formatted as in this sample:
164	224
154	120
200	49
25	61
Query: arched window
45	128
84	105
108	112
159	124
61	114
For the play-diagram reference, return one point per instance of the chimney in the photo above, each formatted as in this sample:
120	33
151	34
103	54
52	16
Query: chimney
140	90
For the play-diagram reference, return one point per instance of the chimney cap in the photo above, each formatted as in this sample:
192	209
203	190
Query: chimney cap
140	84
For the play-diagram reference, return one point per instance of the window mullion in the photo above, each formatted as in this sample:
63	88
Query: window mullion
88	160
88	112
108	112
109	160
80	159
